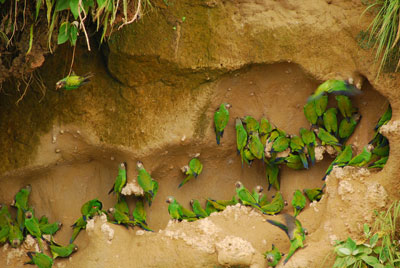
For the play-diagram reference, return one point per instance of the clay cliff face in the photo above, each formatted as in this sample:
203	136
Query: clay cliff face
157	85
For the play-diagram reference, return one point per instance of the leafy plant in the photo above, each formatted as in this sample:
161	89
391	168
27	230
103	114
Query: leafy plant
384	31
380	247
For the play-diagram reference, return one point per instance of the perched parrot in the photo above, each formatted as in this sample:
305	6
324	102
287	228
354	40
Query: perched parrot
33	227
40	260
50	228
264	130
5	216
341	160
347	127
297	145
275	206
276	133
255	146
4	232
221	118
314	194
174	209
215	204
241	138
43	220
79	224
210	208
327	138
188	214
310	113
139	216
293	161
298	202
345	106
257	192
336	87
361	159
379	163
381	150
245	196
273	256
120	181
248	156
330	121
91	208
384	119
15	235
309	140
149	186
122	205
21	203
192	170
272	172
62	251
197	209
252	124
222	204
295	232
280	144
121	217
321	104
73	81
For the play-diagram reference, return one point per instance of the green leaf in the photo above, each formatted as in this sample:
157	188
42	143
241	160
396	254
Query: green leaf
73	34
373	240
370	260
101	3
339	263
63	33
366	230
350	260
183	19
351	244
75	10
38	6
61	5
377	250
344	251
2	1
86	4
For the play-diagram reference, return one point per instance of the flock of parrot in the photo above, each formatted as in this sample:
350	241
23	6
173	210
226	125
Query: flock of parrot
329	127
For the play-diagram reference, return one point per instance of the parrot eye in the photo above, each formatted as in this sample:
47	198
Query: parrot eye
15	242
238	184
28	215
305	232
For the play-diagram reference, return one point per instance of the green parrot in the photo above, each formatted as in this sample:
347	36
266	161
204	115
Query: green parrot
385	118
381	150
347	127
341	160
4	232
273	256
255	146
73	81
174	209
330	121
210	208
345	106
293	161
314	194
226	203
79	224
33	227
121	217
21	203
122	205
297	145
309	140
275	206
252	124
321	104
311	113
197	209
188	214
241	138
91	208
272	172
139	215
5	216
120	181
361	159
15	236
264	130
43	220
40	260
245	196
149	186
379	163
327	138
62	251
221	118
280	144
336	87
50	228
248	156
257	192
192	170
298	202
215	204
295	232
276	133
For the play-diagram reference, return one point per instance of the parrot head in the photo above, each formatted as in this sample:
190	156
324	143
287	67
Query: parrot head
16	242
305	231
111	210
370	147
238	184
122	165
28	214
170	199
315	129
28	187
259	189
139	165
61	84
228	106
191	202
356	116
59	224
185	169
285	203
75	247
270	258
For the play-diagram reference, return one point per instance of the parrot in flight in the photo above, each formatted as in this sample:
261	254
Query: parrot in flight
295	232
192	170
221	118
73	81
337	87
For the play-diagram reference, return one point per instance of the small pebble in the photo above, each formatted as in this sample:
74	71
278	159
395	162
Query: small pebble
229	89
54	139
251	82
252	94
78	132
58	150
183	138
112	158
61	131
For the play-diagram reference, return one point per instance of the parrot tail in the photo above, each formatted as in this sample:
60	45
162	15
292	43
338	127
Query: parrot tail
112	190
304	160
279	225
